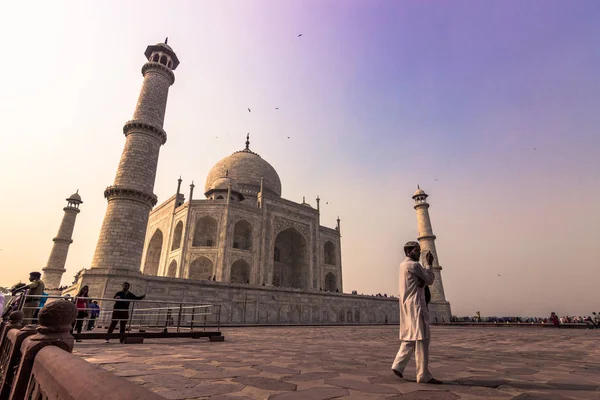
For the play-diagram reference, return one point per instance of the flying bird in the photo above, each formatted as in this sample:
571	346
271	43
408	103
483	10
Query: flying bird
498	274
249	110
277	108
288	137
299	35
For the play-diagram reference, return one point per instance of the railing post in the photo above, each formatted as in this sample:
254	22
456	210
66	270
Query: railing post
219	319
179	318
10	354
55	321
15	321
130	317
192	320
166	329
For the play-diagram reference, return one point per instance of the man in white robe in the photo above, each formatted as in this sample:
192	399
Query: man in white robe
414	316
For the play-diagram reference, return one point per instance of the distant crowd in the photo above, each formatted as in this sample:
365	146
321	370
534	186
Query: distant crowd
593	321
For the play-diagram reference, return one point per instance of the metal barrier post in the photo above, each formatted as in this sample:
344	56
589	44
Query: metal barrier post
179	318
130	317
192	321
219	318
204	321
167	320
22	300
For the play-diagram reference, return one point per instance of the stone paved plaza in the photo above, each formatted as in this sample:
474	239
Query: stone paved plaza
284	363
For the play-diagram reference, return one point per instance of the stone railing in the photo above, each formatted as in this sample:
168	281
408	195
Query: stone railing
57	374
36	362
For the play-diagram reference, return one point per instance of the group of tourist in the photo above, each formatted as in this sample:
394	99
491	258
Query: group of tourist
33	298
87	307
593	321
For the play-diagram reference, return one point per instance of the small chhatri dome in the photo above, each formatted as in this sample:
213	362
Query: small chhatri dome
75	197
165	48
223	184
246	168
420	193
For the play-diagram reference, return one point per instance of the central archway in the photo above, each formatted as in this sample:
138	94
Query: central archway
290	266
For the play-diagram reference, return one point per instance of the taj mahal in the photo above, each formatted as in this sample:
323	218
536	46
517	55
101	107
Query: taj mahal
243	232
263	258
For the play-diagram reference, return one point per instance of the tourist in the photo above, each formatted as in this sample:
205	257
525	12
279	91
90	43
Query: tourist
121	310
414	316
94	313
43	300
81	301
2	302
36	288
554	319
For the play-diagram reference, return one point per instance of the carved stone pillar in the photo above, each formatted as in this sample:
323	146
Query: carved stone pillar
55	321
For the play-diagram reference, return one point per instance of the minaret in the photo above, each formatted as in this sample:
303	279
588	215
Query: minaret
438	307
55	268
131	197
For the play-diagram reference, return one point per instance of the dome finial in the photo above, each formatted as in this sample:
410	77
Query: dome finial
248	141
418	187
166	40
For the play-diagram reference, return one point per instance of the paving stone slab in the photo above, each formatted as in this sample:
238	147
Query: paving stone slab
173	381
201	391
318	393
310	376
540	396
484	381
265	383
426	395
277	370
366	387
226	373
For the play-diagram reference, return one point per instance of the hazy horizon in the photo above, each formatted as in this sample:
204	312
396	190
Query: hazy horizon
490	106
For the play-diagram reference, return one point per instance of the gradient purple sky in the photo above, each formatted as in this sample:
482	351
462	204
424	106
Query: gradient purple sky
490	106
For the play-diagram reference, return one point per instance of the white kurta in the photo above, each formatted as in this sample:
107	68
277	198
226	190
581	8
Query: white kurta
414	316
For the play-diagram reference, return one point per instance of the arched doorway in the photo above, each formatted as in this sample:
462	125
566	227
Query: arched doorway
330	282
290	267
153	254
329	253
240	272
200	269
177	236
172	272
242	235
205	232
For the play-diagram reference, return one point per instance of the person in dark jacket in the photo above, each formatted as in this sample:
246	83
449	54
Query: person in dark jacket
121	310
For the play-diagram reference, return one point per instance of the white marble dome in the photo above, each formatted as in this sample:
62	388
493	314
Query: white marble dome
245	168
